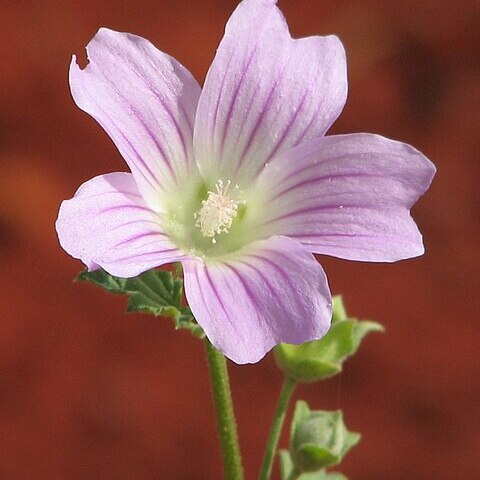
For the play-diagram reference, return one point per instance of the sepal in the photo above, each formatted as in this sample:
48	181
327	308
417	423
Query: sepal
323	358
339	311
288	472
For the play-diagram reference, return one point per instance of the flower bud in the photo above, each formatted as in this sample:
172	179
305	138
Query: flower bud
319	439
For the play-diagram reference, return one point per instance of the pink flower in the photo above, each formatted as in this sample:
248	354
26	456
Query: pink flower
237	180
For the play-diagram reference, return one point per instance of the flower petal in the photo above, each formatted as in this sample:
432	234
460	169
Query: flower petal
270	292
107	224
265	93
348	196
146	102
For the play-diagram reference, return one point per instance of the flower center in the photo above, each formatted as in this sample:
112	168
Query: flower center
217	212
209	219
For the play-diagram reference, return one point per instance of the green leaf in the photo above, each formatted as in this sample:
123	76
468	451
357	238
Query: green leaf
102	279
318	439
157	292
323	358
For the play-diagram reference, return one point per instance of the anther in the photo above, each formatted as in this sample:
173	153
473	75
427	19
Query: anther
217	212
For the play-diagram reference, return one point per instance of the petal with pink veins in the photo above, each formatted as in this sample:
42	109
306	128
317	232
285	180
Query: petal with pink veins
271	291
146	102
348	196
108	224
265	92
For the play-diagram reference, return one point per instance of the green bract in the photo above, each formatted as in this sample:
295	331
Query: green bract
319	359
318	439
156	292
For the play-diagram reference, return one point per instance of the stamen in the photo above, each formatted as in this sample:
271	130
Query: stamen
217	212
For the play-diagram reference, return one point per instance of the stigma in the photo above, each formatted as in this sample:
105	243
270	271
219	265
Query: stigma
217	212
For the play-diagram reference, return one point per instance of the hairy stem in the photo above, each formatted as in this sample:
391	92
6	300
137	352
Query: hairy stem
226	424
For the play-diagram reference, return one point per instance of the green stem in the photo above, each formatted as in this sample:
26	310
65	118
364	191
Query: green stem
227	427
288	388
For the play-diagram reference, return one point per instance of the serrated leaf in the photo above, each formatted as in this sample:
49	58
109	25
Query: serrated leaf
157	292
103	279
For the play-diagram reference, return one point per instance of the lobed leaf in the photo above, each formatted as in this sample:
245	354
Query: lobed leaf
156	292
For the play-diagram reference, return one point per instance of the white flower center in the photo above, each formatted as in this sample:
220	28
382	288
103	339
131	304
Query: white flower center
217	212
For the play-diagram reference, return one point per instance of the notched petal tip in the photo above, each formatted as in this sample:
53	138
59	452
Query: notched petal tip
84	61
103	35
78	67
146	101
74	63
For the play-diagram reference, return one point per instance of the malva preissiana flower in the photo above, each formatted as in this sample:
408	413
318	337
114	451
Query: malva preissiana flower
237	181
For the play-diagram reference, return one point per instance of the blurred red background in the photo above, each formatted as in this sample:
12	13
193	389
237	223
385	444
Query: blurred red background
87	392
